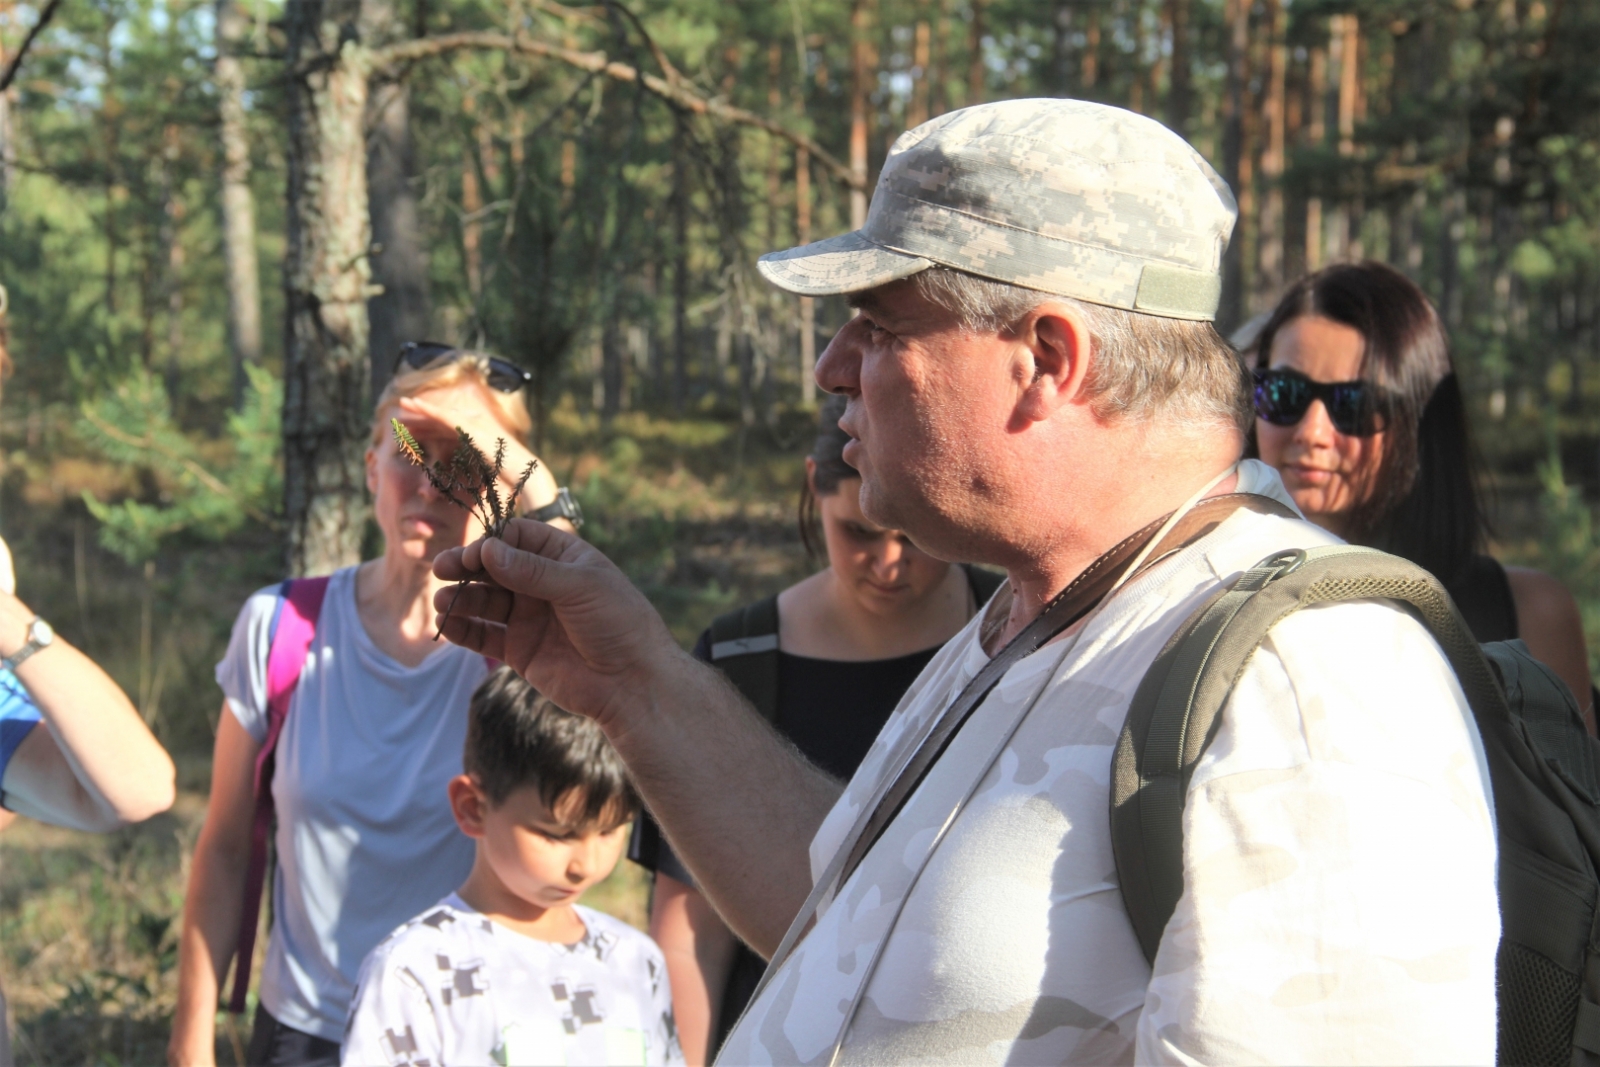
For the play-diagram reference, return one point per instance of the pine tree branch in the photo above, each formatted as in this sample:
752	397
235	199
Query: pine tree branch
150	444
678	95
45	16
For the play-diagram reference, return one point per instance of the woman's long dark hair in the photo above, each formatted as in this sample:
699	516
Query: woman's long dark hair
1424	502
828	454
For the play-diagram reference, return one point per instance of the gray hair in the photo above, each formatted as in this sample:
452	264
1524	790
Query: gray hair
1143	365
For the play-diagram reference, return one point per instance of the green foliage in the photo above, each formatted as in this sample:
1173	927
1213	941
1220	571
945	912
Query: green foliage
1568	549
132	425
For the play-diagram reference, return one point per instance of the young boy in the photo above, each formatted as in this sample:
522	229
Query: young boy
509	969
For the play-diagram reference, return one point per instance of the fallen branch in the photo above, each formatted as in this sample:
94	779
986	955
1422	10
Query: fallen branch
678	95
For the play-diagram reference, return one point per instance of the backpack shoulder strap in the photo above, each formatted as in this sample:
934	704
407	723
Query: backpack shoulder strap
744	646
294	627
1175	711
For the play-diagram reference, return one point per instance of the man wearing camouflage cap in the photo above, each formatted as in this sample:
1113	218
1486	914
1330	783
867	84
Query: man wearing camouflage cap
1035	384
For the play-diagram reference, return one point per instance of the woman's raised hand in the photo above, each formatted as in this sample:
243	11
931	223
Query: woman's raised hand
475	417
561	614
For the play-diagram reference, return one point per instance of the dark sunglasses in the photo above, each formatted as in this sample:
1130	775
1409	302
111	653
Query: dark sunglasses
503	374
1358	409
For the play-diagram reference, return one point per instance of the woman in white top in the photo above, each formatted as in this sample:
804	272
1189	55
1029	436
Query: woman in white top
364	837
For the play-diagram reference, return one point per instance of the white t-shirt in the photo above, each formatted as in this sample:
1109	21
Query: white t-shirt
450	988
1339	857
365	838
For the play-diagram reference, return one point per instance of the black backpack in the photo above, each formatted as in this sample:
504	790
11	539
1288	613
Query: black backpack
1542	767
744	642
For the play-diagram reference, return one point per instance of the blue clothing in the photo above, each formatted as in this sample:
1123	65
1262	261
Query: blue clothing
18	716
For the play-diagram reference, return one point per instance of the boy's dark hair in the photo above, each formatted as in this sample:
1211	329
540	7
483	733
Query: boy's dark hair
517	737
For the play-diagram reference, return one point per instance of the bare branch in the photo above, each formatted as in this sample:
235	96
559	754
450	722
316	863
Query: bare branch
45	16
679	96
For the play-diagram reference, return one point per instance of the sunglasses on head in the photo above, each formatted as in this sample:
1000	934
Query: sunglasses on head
504	375
1357	409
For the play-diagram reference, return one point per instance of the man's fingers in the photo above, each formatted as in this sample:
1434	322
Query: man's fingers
533	573
475	601
456	564
486	638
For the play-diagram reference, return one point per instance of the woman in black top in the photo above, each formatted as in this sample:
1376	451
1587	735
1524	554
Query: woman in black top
1359	409
825	661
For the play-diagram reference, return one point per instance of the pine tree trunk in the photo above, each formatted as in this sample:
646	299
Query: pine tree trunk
402	312
243	279
976	72
1270	280
859	88
680	273
1316	132
325	287
1236	19
1179	93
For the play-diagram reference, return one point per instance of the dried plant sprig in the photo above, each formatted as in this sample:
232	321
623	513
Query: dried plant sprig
472	475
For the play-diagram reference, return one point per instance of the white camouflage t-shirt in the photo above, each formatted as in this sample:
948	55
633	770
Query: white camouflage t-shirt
1339	857
451	988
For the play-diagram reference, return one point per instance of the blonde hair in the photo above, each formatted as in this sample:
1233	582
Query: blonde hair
444	372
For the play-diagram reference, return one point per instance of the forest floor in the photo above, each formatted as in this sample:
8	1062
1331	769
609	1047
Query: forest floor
699	514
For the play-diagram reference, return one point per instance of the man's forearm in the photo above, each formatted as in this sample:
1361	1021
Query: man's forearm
738	803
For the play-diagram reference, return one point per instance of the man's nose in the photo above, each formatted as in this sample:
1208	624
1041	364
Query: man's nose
839	367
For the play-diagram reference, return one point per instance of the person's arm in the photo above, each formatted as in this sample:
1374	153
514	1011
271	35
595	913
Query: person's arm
1549	623
95	766
699	950
214	901
739	804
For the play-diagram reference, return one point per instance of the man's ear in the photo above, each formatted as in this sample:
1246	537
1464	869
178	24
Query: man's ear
468	804
1061	347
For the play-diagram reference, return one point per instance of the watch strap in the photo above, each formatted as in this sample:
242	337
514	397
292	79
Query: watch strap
29	647
564	506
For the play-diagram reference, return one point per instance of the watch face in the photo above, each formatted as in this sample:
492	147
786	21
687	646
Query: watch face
41	632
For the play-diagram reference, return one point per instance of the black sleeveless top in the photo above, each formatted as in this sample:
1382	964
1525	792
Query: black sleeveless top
1483	593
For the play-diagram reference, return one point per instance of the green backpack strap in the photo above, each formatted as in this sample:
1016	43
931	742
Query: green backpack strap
744	646
1176	709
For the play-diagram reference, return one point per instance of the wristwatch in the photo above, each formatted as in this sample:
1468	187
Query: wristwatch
564	506
40	635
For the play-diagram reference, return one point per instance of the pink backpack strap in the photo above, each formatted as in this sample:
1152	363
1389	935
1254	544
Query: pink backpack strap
294	627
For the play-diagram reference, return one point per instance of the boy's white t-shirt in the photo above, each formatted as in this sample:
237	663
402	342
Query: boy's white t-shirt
451	988
365	838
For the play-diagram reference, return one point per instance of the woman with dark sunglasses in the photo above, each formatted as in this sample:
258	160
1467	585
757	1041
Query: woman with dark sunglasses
1359	409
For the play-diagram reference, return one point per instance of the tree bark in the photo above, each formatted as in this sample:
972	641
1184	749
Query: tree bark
1236	20
402	311
243	279
1316	132
859	89
326	276
976	72
1179	94
1271	278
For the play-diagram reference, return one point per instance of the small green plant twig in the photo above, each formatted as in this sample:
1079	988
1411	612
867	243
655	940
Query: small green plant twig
475	477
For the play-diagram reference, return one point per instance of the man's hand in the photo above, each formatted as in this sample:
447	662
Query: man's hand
560	614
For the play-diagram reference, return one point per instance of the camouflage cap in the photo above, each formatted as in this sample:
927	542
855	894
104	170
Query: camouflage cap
1063	196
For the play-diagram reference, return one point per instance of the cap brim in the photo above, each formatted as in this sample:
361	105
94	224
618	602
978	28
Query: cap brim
848	263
